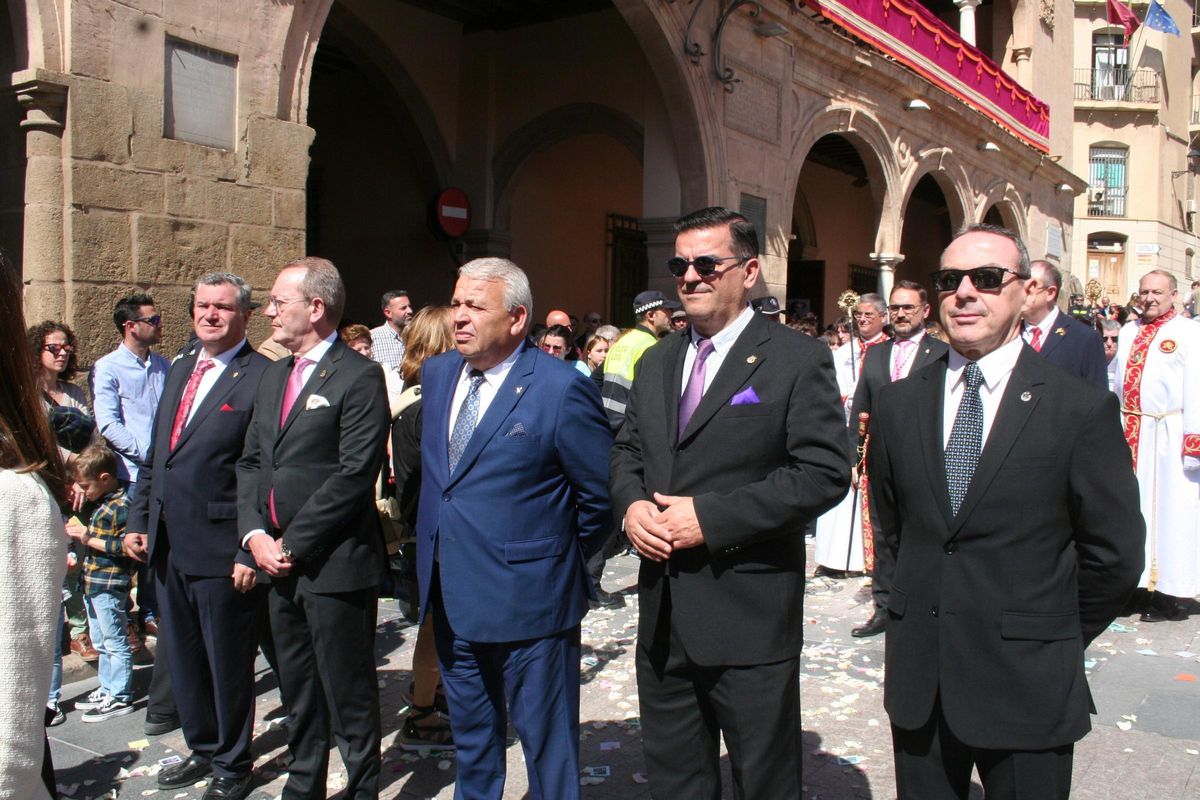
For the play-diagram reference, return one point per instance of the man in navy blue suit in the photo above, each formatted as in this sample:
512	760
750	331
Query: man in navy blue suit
1062	340
514	499
184	521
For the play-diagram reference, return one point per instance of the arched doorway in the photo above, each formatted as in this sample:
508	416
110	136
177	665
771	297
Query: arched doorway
372	178
928	228
12	140
834	223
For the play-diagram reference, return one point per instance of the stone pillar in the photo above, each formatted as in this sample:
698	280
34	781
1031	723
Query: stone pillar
44	98
660	245
480	242
966	19
887	263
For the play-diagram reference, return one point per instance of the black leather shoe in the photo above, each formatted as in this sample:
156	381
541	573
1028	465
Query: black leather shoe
609	599
177	776
875	626
158	724
228	788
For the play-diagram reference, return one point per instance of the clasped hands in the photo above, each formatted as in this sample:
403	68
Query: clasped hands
660	528
268	554
136	547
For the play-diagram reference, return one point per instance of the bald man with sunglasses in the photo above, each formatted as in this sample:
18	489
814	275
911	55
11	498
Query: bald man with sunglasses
1004	490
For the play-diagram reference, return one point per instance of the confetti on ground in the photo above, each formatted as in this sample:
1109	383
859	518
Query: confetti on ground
139	744
849	761
1186	677
1124	725
610	745
1146	652
1117	627
169	760
640	777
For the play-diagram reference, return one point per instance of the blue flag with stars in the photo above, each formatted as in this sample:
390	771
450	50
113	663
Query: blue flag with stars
1158	19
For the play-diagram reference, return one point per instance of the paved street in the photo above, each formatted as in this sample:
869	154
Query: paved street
1145	742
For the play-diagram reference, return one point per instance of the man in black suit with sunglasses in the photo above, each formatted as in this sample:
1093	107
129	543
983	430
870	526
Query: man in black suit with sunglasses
1016	541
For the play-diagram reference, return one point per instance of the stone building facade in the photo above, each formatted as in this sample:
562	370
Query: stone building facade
145	142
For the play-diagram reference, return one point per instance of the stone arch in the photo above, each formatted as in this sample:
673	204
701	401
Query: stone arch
875	149
1004	198
296	58
549	129
803	224
944	167
37	34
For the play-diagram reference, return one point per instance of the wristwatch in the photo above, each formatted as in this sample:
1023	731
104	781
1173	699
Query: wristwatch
286	551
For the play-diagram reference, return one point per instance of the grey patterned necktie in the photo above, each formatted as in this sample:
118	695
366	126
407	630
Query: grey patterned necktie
464	424
966	438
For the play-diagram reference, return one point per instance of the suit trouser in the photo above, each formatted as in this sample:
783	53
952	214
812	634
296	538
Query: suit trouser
209	635
541	679
933	764
325	644
882	574
686	707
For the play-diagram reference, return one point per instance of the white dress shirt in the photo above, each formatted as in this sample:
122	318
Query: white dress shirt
722	343
1046	325
220	362
909	356
493	378
997	367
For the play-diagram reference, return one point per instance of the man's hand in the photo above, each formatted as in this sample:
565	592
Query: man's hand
647	536
134	545
269	556
678	519
243	577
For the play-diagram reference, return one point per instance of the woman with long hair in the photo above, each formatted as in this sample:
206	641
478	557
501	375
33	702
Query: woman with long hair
429	333
593	355
33	544
52	347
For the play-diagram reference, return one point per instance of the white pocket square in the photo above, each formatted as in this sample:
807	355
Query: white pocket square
316	401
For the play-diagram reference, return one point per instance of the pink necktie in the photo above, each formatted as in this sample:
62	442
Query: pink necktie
295	385
695	385
1036	339
901	358
189	397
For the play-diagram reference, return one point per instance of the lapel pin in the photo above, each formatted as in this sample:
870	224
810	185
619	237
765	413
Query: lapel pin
1026	397
751	359
519	388
322	375
1061	331
236	374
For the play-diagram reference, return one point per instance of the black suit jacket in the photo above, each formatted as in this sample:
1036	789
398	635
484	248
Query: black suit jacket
323	463
764	453
877	373
1077	348
190	493
992	608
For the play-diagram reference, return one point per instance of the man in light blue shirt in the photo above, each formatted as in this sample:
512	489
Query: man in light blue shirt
128	382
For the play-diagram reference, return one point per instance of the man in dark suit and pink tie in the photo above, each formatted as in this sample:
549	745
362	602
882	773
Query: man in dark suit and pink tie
184	521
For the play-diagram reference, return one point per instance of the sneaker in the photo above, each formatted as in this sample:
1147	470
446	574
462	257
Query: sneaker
56	715
112	708
426	729
93	700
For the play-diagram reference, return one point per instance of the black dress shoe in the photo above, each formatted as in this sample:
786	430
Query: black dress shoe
609	599
186	773
875	626
158	724
228	788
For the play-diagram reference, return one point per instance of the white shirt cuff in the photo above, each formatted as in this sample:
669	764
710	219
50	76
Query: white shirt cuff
248	536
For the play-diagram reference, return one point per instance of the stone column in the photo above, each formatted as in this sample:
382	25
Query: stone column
660	245
480	242
887	263
44	98
966	19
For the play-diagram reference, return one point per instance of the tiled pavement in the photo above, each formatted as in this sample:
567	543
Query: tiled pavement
1145	742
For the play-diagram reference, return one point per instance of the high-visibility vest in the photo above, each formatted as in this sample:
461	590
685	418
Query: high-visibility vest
619	367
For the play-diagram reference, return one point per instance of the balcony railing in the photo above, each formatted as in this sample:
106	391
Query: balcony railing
1106	201
1117	84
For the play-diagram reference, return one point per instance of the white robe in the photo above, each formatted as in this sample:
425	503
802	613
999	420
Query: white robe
1169	480
839	542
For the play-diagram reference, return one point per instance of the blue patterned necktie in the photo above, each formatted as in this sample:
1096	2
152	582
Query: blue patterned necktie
966	438
464	424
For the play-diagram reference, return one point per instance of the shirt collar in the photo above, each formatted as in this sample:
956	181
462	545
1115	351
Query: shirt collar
1046	324
920	334
318	350
723	339
494	376
132	356
995	366
223	358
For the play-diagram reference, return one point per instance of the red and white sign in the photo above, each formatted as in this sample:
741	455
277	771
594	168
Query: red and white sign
454	212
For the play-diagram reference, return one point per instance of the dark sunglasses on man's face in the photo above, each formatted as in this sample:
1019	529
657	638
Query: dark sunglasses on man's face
154	321
705	265
985	279
1112	338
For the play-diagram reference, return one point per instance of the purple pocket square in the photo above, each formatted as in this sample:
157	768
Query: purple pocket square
746	397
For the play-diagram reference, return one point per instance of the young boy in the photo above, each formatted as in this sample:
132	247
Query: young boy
105	582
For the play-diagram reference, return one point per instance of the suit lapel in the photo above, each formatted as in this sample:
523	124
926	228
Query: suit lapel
1053	339
739	364
220	390
925	355
322	372
173	395
506	399
929	429
673	382
1020	398
438	420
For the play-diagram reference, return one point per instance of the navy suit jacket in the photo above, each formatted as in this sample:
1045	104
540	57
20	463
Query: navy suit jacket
1076	347
527	503
193	488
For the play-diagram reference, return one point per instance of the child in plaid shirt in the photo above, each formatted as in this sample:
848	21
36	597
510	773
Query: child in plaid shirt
105	582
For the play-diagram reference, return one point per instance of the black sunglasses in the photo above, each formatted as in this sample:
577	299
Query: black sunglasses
54	349
985	279
705	265
153	321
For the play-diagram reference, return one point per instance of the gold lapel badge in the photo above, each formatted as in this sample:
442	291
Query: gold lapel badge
236	374
1026	397
322	375
1060	331
751	359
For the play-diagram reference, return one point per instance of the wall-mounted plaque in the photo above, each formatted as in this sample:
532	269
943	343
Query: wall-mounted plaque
200	95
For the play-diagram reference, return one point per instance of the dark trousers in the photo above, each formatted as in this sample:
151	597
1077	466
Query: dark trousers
882	574
325	644
541	680
933	764
210	635
611	546
686	707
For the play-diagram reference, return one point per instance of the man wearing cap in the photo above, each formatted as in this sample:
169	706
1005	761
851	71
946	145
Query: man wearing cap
653	321
679	318
769	307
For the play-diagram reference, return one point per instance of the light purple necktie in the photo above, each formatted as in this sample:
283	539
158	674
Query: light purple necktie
695	385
